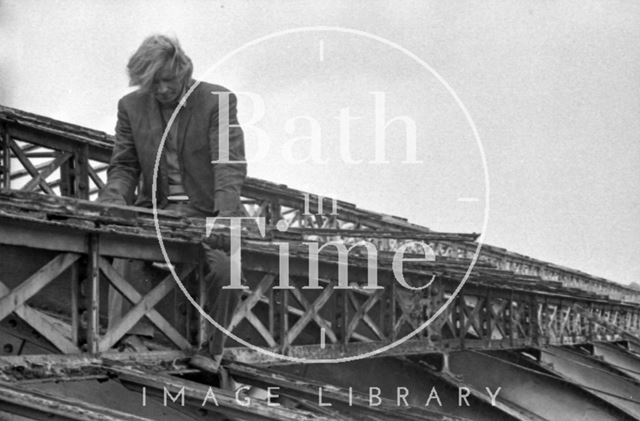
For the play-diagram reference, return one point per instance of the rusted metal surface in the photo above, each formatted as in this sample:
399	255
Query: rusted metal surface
297	398
530	389
618	357
597	377
227	401
20	391
41	406
403	388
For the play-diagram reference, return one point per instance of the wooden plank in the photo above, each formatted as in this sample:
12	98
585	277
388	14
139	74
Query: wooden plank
351	403
75	303
81	164
46	171
361	311
244	310
59	139
564	322
134	296
133	247
298	312
495	315
93	174
43	235
6	158
43	406
54	330
262	330
333	351
271	303
195	394
135	314
283	326
93	294
46	365
66	179
373	326
16	298
254	298
472	316
37	235
312	313
343	305
23	173
24	160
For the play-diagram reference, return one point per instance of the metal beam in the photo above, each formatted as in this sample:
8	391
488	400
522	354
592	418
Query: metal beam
36	405
595	377
196	394
404	386
529	389
618	357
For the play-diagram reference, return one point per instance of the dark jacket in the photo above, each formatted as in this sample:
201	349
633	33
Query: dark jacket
212	187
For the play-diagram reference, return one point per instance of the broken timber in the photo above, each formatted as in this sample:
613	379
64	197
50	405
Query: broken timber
515	314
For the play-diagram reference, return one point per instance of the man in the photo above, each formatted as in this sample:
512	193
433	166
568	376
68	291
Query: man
195	176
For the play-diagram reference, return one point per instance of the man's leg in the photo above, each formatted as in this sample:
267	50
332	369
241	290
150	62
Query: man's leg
134	272
222	302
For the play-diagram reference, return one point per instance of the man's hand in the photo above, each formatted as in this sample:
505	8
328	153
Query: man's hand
112	201
225	214
117	208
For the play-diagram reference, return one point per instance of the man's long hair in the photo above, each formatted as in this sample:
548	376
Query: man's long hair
153	54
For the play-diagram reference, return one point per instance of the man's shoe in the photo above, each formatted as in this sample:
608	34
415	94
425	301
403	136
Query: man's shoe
134	343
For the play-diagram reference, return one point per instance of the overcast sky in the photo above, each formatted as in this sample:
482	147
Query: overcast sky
552	86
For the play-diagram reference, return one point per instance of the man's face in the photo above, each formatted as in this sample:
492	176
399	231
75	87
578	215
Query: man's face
167	87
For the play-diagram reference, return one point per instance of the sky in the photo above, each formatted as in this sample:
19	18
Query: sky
552	88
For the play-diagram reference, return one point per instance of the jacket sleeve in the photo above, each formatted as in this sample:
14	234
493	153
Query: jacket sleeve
124	168
229	171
